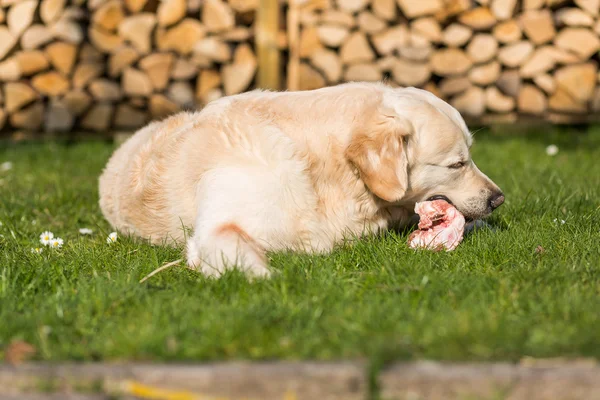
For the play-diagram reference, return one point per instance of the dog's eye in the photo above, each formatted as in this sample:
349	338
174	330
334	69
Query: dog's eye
457	165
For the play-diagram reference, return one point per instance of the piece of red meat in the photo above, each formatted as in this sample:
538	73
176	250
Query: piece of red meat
441	226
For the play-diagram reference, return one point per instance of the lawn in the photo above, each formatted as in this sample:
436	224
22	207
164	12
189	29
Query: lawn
495	298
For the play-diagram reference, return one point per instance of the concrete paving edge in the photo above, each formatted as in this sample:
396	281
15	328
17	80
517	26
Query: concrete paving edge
528	380
222	381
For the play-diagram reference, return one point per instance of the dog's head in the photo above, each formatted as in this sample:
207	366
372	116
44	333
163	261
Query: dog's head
415	147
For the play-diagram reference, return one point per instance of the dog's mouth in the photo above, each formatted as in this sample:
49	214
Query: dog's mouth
447	200
440	197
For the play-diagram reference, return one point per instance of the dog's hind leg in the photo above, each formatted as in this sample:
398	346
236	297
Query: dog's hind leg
226	246
243	211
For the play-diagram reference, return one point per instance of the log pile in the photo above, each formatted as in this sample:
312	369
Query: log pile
116	64
494	60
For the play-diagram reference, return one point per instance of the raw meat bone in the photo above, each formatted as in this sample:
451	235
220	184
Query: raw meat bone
441	226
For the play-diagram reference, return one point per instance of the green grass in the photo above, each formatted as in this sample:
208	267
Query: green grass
494	298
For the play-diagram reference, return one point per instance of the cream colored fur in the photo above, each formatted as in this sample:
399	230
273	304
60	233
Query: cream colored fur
266	171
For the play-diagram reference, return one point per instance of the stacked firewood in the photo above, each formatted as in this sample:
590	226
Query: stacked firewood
116	64
39	42
102	64
494	60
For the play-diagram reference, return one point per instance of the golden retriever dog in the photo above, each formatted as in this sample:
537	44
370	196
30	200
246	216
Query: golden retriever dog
267	171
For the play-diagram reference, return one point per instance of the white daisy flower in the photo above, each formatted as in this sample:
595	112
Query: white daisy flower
37	250
562	221
86	231
6	166
552	150
46	237
112	238
56	243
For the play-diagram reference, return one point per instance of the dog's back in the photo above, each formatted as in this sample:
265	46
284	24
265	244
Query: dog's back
149	187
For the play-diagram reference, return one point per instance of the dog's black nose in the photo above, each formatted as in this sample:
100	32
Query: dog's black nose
496	200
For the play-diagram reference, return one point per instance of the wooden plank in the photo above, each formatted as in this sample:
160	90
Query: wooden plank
266	44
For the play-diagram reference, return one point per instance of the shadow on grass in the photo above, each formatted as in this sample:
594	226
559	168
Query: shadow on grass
566	137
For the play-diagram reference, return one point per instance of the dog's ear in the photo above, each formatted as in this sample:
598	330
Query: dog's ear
377	148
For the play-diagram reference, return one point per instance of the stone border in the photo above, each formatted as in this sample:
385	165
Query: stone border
223	381
528	380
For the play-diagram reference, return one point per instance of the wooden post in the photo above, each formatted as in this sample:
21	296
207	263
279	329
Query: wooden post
293	29
266	44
